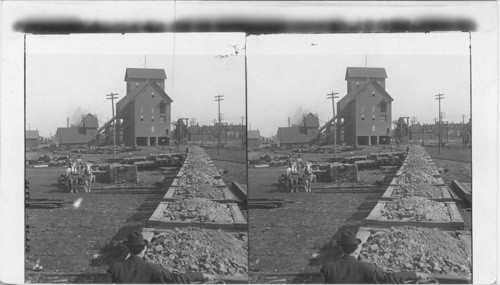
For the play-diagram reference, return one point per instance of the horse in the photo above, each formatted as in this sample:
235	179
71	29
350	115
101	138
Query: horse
293	177
307	176
79	174
87	177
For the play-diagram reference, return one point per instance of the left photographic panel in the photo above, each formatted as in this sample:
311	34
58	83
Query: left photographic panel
133	137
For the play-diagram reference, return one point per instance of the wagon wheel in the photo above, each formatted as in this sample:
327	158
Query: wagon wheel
289	184
69	184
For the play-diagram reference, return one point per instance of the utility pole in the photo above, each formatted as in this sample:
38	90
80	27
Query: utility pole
439	97
470	78
423	135
333	96
112	96
242	118
218	99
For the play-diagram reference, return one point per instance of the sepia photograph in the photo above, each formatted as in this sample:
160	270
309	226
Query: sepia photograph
136	158
365	167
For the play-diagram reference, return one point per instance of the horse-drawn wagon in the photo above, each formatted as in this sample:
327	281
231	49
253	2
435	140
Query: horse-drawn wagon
78	176
298	174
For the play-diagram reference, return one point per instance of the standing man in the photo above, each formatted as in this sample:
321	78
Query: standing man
348	270
135	270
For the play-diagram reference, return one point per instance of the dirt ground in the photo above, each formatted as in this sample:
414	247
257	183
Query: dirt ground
296	238
293	241
88	238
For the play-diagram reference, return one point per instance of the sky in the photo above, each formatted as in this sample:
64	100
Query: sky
67	76
291	75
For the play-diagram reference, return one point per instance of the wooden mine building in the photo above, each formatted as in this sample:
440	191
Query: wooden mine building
365	112
144	114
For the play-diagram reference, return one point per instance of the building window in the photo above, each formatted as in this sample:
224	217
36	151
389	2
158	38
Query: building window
153	129
137	84
153	110
142	118
142	110
362	117
163	108
373	94
357	83
388	131
166	131
163	119
383	107
362	108
373	128
152	118
383	118
152	94
373	109
373	117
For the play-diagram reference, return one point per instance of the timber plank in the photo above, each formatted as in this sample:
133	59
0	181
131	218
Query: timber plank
467	241
237	215
462	190
375	213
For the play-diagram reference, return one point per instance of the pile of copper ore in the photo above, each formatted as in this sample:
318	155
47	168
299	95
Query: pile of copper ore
417	249
200	250
418	168
197	210
423	189
201	191
415	209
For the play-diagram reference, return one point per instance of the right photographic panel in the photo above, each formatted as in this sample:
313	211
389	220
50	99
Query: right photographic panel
360	157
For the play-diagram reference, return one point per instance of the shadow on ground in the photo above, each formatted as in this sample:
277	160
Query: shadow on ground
116	250
330	251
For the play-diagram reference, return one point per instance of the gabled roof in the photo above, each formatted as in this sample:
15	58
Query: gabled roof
144	73
354	92
71	135
310	121
253	134
365	72
32	134
157	88
89	121
358	91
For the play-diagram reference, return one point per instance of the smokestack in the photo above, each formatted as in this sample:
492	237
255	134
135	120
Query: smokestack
67	122
288	121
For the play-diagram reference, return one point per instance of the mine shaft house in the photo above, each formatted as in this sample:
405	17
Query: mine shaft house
365	112
253	139
143	115
300	135
31	138
78	135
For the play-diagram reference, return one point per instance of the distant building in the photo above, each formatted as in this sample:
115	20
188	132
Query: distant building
31	139
253	138
79	135
365	111
144	114
300	135
208	134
